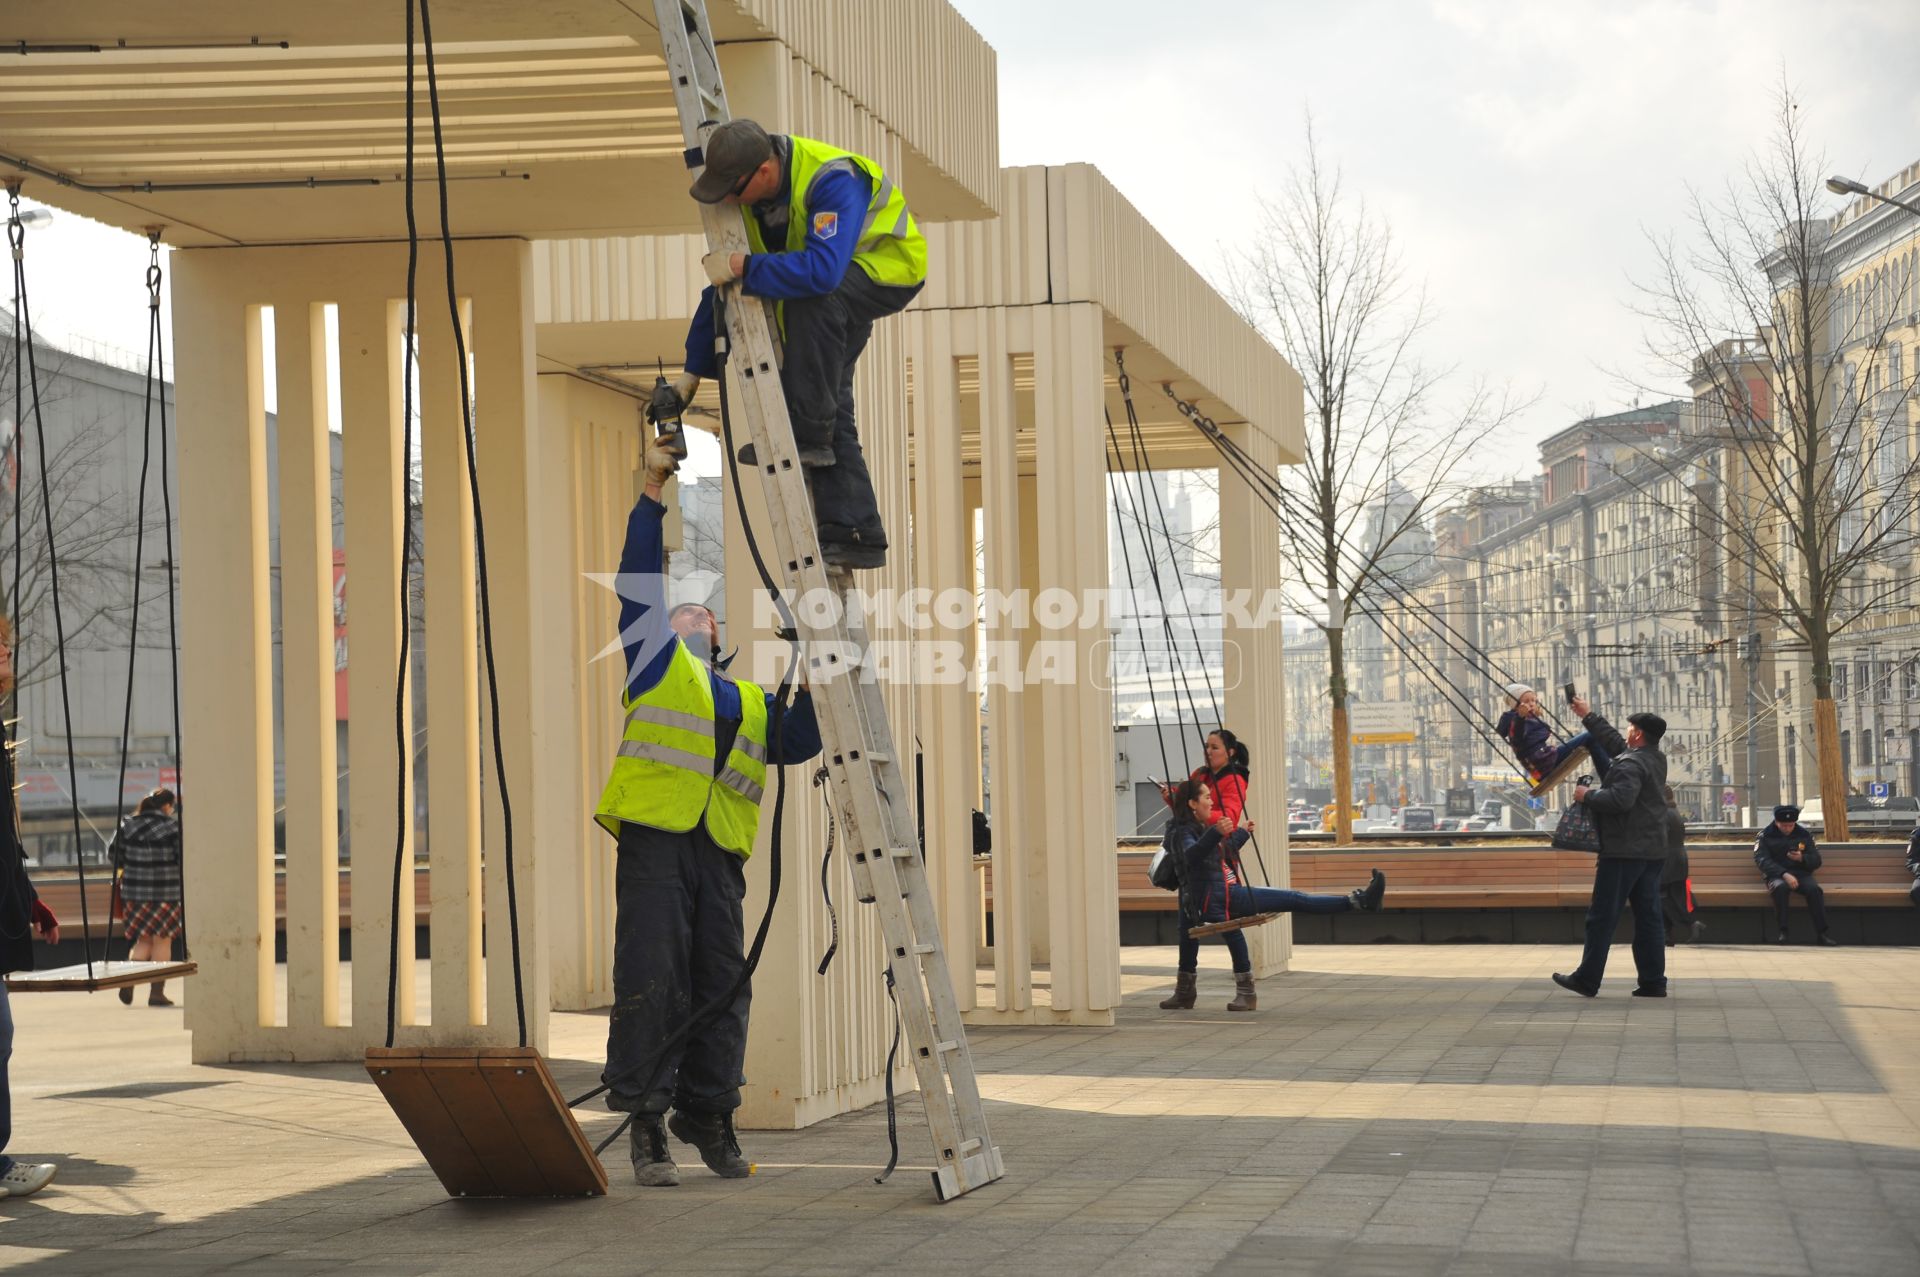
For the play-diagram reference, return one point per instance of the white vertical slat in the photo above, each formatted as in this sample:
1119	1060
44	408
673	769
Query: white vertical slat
453	698
371	474
308	716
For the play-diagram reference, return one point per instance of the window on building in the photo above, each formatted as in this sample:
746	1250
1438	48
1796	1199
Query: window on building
1846	753
1866	748
1863	680
1839	688
1910	679
1793	761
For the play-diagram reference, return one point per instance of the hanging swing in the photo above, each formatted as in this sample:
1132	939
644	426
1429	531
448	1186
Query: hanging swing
87	976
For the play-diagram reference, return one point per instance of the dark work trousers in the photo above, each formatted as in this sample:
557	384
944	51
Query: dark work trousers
1251	900
1816	899
824	338
1673	898
1620	883
678	944
6	1093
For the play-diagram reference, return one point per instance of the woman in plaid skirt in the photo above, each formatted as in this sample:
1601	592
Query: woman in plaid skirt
146	851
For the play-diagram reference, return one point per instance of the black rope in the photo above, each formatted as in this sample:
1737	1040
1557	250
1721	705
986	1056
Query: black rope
402	817
479	520
173	596
139	557
826	863
893	1053
16	234
1115	461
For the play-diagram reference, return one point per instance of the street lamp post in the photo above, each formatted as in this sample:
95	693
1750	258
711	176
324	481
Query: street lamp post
1847	186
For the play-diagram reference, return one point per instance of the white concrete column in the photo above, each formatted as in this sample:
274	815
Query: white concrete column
226	691
1254	683
1083	887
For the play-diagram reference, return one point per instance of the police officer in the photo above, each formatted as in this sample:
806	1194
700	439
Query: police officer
683	798
835	248
1787	857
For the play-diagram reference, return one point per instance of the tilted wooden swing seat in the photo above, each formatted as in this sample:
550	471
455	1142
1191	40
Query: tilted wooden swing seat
489	1120
1230	924
105	975
1568	766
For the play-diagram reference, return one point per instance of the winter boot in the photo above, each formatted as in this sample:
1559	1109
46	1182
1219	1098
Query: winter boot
1243	995
652	1164
712	1134
1185	987
126	995
157	995
1367	899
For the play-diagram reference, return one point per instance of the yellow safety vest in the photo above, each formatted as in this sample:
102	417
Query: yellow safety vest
663	775
890	248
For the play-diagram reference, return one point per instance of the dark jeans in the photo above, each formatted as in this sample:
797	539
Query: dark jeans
1783	895
1617	884
824	338
1248	900
1595	755
1913	893
6	1090
678	944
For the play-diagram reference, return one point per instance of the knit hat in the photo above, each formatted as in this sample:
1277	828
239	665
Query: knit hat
1516	690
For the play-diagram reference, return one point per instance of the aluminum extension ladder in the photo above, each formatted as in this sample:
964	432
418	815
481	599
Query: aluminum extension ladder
870	797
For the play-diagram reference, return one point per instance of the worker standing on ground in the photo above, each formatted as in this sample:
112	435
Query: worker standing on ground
684	801
835	249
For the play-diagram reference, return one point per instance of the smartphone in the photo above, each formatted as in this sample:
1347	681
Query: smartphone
1568	689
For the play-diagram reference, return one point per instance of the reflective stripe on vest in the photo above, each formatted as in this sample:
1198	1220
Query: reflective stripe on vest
663	773
890	250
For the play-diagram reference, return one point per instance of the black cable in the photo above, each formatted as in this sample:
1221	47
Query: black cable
16	233
479	518
403	816
893	1053
826	862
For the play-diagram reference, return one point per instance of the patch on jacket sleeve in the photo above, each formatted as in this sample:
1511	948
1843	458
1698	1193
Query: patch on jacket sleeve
826	225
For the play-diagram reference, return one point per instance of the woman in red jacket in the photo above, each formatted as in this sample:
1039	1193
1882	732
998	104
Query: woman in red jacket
1226	776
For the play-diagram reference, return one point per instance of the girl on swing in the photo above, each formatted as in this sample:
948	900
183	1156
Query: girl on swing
1204	849
1526	734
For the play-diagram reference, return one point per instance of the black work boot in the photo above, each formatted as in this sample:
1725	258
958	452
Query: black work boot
845	547
712	1134
1185	988
652	1164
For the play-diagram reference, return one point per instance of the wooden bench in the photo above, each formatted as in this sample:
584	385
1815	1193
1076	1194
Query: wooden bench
62	895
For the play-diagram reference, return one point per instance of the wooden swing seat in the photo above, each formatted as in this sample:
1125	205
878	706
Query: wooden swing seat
489	1120
1568	766
106	975
1230	924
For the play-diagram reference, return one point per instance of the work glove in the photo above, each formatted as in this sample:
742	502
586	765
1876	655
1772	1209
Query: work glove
719	268
663	457
669	401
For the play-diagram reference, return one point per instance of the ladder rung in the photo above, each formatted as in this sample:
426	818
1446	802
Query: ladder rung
926	948
967	1146
948	1045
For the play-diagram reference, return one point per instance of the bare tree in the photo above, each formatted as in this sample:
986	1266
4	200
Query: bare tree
93	529
1325	283
1819	503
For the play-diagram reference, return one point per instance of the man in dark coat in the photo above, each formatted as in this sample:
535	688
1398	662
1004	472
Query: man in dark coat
1683	926
1913	866
1787	858
1630	813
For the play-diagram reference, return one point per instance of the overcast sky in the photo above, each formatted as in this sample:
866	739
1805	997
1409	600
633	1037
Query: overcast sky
1520	151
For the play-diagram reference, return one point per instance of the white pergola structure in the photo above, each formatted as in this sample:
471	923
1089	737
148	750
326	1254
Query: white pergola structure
574	258
1012	350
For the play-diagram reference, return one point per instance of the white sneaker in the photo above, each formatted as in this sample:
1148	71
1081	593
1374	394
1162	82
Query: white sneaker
26	1178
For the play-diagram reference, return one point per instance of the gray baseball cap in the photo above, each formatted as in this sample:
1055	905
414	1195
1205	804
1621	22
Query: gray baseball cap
733	150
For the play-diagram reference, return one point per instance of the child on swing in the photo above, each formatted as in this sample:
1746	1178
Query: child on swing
1527	735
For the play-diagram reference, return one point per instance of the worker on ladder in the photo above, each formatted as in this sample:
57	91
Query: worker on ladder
683	798
834	248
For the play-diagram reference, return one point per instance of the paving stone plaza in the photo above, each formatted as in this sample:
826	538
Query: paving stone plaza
1388	1110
